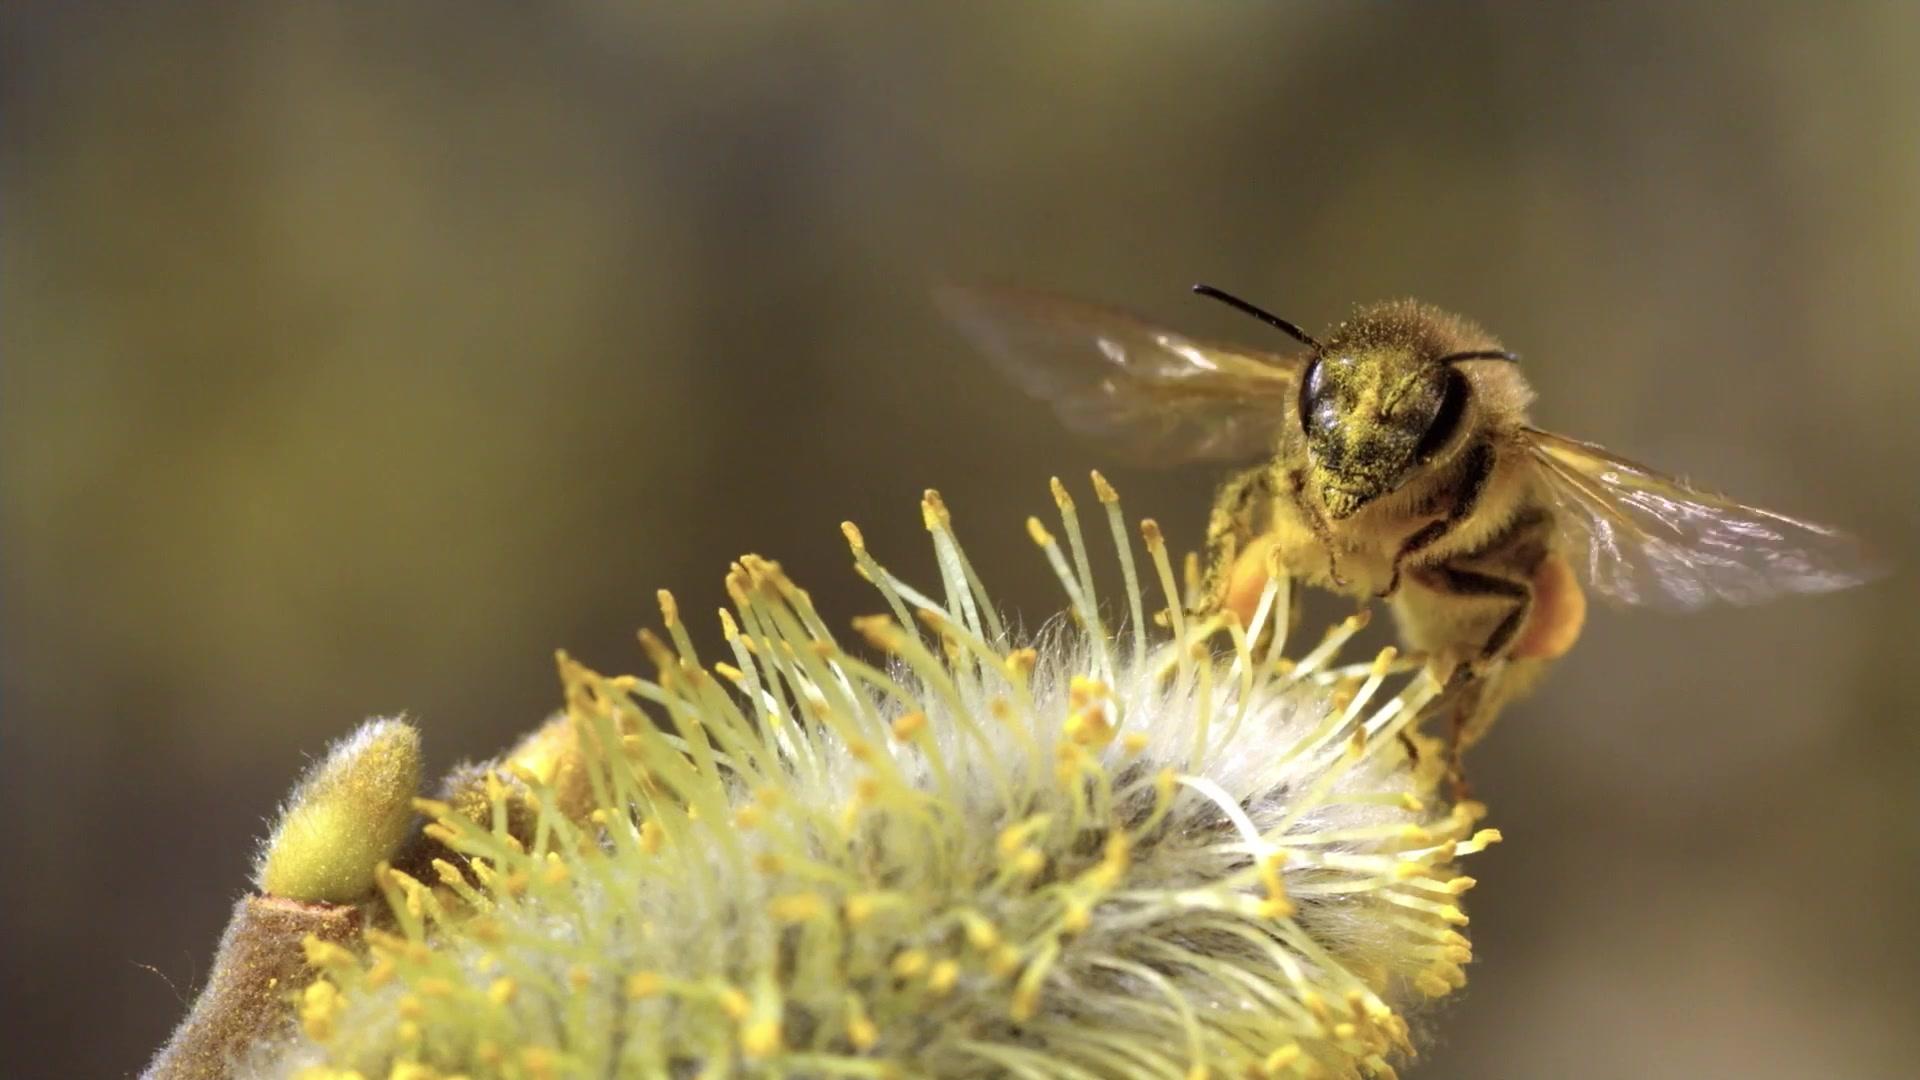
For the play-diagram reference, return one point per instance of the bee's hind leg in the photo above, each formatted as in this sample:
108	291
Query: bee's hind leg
1471	703
1230	528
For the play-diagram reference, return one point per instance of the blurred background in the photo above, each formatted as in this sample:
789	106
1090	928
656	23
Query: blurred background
355	360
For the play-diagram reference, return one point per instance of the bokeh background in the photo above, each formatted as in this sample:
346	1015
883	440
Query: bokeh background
357	357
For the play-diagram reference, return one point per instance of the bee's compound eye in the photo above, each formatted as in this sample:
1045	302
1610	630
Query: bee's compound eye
1446	419
1309	393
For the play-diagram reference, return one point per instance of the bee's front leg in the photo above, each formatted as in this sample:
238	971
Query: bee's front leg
1479	468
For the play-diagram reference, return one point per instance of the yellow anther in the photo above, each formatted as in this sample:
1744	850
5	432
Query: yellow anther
1283	1058
1060	496
326	955
855	540
907	725
501	991
933	510
981	934
1082	691
642	985
944	975
858	908
1089	727
319	1005
910	963
862	1032
796	907
1004	961
735	1003
1026	1002
1103	490
1039	532
760	1038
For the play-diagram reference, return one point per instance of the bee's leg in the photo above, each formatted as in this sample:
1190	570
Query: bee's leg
1296	484
1479	467
1229	528
1465	723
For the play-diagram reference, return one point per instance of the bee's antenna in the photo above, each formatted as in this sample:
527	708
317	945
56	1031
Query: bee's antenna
1263	315
1481	354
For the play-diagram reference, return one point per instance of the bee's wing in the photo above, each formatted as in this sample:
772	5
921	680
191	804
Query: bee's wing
1155	396
1650	539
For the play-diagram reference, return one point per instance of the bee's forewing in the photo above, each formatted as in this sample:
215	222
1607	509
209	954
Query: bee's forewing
1155	396
1649	539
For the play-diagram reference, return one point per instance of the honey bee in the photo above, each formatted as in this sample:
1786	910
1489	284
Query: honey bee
1395	461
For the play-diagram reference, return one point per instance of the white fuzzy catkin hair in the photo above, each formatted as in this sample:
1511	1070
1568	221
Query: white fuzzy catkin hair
1098	855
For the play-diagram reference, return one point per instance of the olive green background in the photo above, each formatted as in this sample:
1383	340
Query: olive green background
358	356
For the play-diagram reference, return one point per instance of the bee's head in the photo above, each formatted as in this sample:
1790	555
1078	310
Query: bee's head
1382	397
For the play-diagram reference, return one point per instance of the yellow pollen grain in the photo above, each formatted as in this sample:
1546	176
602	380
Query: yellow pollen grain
642	985
735	1003
501	991
651	837
1133	742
